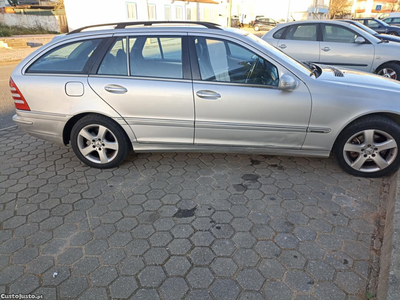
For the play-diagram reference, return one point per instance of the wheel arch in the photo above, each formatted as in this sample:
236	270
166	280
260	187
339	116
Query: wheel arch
72	121
393	116
397	62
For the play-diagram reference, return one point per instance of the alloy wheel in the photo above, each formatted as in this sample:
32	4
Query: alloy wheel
388	73
370	150
97	143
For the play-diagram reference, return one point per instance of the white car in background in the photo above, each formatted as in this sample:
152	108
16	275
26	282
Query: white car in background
338	44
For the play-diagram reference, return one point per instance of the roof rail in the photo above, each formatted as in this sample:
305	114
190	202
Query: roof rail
122	25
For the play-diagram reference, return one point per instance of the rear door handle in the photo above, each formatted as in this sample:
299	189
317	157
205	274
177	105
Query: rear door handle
115	89
283	46
210	95
326	49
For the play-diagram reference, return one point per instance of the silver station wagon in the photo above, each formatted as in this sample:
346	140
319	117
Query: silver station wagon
163	86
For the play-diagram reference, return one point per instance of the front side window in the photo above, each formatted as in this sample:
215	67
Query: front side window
115	61
373	24
223	61
302	33
338	34
70	58
156	57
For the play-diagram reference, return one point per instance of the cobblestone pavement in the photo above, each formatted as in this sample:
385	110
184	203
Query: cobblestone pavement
171	226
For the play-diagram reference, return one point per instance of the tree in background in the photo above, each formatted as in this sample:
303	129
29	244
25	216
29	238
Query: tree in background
339	8
12	2
395	6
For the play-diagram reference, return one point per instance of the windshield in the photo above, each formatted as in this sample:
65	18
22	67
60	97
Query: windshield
382	23
363	27
294	62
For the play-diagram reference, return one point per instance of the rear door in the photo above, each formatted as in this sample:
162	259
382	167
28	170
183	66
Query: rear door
338	48
153	92
301	42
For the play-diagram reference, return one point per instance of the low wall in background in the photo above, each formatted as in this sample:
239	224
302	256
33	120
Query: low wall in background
50	23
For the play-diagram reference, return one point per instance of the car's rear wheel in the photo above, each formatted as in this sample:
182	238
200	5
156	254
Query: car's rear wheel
369	147
257	28
390	70
99	142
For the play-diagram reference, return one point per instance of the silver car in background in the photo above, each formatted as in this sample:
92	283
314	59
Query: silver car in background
338	44
202	88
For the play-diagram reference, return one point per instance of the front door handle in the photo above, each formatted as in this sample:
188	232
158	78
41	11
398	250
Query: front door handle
115	89
283	46
326	49
210	95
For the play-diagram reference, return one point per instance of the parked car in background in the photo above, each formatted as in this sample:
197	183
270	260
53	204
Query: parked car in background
337	43
379	26
392	21
264	24
381	36
202	88
389	15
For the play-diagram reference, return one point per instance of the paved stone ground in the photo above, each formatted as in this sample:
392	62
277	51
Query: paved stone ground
171	226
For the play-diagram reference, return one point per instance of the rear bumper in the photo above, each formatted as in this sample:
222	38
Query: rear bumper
44	126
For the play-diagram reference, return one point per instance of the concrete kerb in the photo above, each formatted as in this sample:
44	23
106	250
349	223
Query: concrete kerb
389	273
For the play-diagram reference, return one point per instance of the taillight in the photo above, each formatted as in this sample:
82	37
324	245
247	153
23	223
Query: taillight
19	100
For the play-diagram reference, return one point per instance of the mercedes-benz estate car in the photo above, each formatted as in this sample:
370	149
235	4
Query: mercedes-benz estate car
202	88
337	43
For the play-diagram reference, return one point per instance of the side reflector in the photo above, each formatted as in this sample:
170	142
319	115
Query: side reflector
19	100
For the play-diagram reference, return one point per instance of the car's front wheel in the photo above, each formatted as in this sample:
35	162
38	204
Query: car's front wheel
99	142
369	147
390	70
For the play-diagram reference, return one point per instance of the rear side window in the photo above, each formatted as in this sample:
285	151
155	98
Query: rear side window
115	61
302	33
70	58
279	33
156	57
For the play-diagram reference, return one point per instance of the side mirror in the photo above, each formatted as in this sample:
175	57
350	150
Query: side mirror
287	83
360	40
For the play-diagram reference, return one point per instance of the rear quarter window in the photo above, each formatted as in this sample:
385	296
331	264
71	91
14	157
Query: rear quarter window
279	33
69	58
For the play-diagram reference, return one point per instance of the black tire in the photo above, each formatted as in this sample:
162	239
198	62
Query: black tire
394	66
381	125
114	134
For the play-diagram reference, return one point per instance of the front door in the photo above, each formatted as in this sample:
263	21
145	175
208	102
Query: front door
153	93
237	99
338	48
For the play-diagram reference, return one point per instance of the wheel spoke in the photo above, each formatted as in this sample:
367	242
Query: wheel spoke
102	132
369	137
86	134
103	156
359	162
389	144
392	74
385	71
380	161
87	150
111	145
353	148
